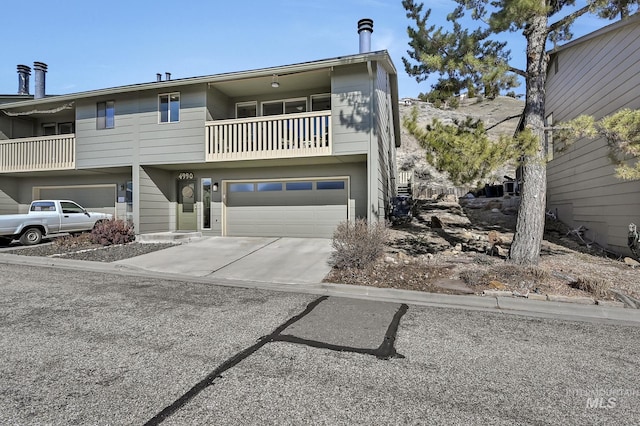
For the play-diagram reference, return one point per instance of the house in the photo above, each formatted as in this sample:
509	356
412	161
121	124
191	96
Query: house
596	75
284	151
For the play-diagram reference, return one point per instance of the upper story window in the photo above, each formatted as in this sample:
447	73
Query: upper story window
65	128
246	109
321	102
106	115
169	108
48	129
286	106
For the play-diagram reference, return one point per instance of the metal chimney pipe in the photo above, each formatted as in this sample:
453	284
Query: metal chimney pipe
167	76
158	77
40	69
365	28
24	72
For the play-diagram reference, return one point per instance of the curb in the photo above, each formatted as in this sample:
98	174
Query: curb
504	303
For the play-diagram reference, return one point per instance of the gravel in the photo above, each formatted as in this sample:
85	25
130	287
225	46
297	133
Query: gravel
91	252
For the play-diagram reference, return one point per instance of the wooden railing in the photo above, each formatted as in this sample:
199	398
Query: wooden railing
41	153
283	136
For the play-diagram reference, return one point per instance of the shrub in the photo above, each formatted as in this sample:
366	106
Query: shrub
113	231
358	244
596	286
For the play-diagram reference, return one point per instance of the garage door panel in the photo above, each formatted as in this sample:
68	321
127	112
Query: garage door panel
304	213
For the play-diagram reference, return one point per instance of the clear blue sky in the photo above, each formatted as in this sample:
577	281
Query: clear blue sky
92	45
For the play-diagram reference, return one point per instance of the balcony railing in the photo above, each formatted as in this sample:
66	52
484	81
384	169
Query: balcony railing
283	136
40	153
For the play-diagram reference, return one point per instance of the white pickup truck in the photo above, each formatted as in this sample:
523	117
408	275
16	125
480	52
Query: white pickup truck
47	217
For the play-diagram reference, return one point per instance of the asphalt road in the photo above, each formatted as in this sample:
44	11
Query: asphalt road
96	348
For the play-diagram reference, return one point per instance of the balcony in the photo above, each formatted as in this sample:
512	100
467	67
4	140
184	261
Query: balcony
38	154
283	136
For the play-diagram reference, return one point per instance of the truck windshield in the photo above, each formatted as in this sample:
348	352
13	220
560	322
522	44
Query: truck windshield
43	206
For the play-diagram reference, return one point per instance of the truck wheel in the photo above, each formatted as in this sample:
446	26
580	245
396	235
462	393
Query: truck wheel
31	236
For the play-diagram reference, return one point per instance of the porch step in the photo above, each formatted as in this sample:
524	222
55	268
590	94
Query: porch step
168	237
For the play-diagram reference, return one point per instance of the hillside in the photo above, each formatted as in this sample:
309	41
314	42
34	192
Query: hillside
411	156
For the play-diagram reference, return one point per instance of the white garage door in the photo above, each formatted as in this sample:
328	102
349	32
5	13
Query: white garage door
301	208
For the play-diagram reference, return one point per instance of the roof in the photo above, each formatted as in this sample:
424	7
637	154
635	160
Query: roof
380	56
632	20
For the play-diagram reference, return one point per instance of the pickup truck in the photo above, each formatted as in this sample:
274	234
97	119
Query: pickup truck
47	217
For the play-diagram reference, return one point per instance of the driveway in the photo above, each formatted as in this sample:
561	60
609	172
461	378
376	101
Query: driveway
276	260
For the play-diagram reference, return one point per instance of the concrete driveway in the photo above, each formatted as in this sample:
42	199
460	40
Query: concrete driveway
277	260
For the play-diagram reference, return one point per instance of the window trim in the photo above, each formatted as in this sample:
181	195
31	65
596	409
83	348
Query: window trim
169	95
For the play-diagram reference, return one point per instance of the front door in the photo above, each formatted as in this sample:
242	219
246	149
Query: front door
187	218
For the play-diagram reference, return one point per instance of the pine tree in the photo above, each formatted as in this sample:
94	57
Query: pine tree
473	58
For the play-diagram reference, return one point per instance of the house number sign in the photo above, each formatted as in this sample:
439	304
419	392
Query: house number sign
185	175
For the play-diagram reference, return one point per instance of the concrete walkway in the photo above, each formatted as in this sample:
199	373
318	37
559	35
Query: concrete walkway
271	260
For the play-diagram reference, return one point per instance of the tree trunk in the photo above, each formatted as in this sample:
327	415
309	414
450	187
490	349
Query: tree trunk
525	249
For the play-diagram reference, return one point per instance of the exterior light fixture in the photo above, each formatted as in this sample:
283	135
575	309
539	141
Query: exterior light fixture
215	187
274	82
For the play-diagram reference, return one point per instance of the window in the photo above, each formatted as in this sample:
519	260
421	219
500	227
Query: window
65	128
106	115
241	187
69	207
299	186
288	106
548	136
169	108
246	109
269	186
321	102
43	206
48	129
329	184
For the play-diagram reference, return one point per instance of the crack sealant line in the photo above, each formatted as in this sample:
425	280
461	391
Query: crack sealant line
228	364
242	257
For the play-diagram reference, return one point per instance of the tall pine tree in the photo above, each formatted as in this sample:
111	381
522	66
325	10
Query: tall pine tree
475	60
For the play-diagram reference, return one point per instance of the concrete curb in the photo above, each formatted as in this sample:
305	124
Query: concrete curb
496	303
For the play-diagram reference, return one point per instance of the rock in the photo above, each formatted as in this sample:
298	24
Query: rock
497	285
494	238
536	296
458	247
436	223
406	262
428	256
610	303
389	259
497	293
450	198
499	251
495	211
631	262
571	299
467	236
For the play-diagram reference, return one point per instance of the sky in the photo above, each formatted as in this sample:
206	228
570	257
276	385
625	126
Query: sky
93	45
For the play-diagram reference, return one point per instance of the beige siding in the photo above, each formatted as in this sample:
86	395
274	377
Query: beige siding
351	110
597	76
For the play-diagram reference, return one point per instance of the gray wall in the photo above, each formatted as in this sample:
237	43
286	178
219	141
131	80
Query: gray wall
138	133
598	77
156	189
384	133
351	109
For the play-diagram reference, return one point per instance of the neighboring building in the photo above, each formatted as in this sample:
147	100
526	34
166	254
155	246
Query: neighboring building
285	151
597	74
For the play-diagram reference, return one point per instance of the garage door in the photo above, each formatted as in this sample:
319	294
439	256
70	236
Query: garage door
92	197
301	208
